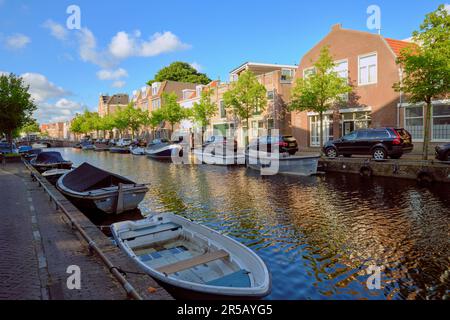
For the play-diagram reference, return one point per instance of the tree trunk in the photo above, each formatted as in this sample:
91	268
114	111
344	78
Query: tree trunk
427	131
321	130
10	138
247	139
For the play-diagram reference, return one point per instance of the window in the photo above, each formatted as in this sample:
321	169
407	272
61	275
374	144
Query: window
270	124
315	129
307	72
156	104
223	110
441	122
270	94
378	134
368	69
351	137
287	75
341	69
414	121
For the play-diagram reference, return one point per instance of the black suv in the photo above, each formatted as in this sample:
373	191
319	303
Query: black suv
285	144
380	143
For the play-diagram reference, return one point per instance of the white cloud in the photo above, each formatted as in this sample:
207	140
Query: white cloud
41	89
124	45
17	41
89	52
447	7
62	110
112	74
57	30
118	84
197	66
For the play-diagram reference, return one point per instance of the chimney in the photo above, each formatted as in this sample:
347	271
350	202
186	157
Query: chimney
336	27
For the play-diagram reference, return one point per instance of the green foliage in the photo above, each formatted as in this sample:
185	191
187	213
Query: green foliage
321	90
203	111
16	104
246	97
182	72
426	68
155	118
30	127
171	110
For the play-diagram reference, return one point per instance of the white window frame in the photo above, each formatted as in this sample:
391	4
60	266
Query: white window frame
346	61
306	70
423	117
368	73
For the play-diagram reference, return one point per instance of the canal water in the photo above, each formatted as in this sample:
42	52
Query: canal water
319	236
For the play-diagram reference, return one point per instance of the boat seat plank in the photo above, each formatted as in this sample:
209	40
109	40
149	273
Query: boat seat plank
149	230
196	261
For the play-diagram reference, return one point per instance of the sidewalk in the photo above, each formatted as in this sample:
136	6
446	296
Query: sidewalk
37	246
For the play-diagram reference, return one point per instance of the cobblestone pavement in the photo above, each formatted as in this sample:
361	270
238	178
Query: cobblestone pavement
37	246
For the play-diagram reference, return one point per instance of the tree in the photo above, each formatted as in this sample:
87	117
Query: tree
30	127
16	104
75	125
120	121
246	97
203	111
171	110
182	72
426	68
107	124
154	119
134	117
321	90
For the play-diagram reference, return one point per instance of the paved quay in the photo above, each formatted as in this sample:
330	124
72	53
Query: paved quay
37	245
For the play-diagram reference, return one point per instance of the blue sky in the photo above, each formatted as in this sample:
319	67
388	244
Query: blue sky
134	39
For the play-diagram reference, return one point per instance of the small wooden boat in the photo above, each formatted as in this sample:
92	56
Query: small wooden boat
53	175
121	150
50	160
89	187
32	154
199	261
88	147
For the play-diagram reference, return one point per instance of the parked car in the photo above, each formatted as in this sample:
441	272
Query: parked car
285	144
381	143
215	142
443	152
6	148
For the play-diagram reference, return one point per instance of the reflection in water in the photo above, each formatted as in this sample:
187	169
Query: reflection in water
317	235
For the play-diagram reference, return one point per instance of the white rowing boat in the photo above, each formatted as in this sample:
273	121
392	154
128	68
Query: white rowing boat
201	262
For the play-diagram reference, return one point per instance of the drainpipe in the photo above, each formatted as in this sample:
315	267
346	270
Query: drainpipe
400	73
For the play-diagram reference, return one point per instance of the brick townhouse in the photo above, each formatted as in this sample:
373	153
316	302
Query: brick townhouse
368	61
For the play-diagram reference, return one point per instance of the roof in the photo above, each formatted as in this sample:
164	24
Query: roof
257	64
397	45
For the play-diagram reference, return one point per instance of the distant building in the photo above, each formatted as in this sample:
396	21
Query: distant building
109	104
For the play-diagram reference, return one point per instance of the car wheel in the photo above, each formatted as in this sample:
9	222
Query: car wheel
379	154
292	153
331	153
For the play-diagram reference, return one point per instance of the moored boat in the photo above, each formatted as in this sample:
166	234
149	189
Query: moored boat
101	147
183	255
50	160
53	175
89	187
122	150
272	163
137	151
164	150
228	159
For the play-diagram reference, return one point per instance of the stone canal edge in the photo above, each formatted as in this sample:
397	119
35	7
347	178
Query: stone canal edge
38	245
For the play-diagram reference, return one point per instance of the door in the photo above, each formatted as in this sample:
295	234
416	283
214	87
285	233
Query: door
347	143
349	126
